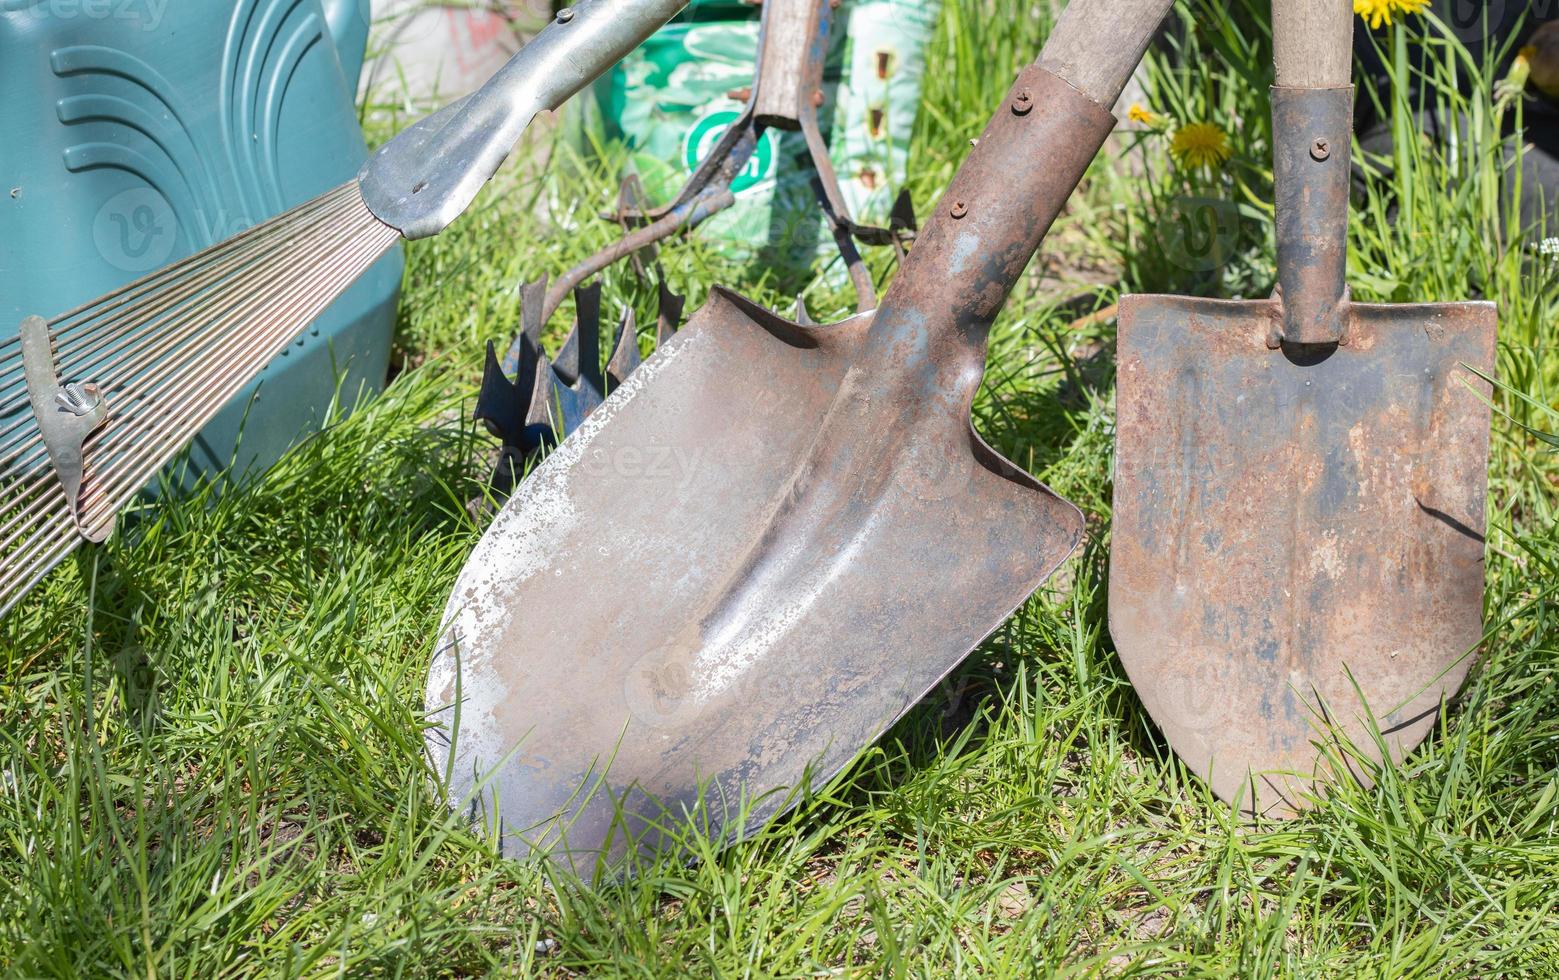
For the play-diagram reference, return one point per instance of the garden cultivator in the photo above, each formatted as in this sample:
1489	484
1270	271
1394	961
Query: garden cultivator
528	407
786	94
530	401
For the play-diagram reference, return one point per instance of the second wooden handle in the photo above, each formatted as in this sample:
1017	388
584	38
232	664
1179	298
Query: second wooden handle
1096	44
1312	43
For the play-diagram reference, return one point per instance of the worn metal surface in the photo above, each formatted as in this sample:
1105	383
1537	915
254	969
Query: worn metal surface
1286	527
1297	546
763	548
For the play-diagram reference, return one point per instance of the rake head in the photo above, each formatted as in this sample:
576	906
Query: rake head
95	401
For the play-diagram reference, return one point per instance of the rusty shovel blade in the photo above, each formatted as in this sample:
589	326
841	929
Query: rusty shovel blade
1297	547
1297	550
764	547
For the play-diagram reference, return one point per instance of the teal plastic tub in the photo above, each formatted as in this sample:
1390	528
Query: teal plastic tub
139	131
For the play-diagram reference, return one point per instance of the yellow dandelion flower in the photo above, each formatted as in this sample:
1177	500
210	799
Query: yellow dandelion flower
1379	12
1138	113
1201	144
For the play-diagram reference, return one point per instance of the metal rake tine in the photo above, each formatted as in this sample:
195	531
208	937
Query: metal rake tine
902	223
631	203
533	297
575	402
520	359
625	357
669	315
579	359
541	416
498	404
802	316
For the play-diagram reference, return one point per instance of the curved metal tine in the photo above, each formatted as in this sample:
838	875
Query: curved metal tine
827	185
542	415
532	319
631	201
625	357
579	358
498	405
669	313
845	231
689	215
712	169
801	315
827	182
519	361
903	224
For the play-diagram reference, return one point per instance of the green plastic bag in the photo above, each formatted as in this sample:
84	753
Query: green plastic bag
670	101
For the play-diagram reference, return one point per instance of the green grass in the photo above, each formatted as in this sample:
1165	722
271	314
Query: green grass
211	725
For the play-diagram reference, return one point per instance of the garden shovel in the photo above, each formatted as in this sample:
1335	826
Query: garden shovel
775	537
1297	550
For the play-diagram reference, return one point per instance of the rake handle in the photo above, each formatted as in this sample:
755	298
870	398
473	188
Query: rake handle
426	176
1312	43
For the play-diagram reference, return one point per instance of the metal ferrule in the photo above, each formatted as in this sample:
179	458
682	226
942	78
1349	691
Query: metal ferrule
1312	138
423	179
976	244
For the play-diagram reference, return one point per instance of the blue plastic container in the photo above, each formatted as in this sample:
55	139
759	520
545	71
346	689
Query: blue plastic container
136	132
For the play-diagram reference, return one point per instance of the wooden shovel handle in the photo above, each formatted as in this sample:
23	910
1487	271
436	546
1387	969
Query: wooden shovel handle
1096	44
1312	43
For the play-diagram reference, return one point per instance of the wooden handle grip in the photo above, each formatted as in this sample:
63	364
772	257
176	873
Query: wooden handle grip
1097	44
1312	43
785	75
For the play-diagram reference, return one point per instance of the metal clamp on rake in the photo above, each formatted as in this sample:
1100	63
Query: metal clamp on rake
786	93
66	414
547	399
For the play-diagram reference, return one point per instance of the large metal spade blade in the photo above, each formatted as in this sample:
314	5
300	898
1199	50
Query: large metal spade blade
592	626
1293	531
774	538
